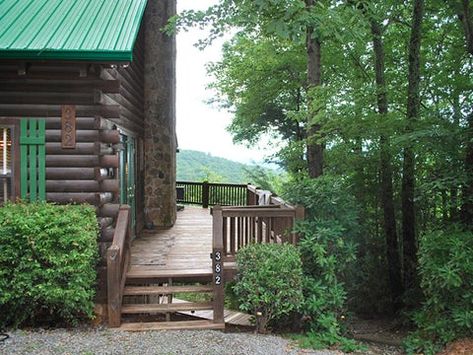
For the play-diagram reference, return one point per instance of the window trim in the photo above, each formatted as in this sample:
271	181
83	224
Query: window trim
14	125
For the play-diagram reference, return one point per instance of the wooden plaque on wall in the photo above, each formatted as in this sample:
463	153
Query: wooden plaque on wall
68	127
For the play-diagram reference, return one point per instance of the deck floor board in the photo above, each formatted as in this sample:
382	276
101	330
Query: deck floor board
184	248
187	245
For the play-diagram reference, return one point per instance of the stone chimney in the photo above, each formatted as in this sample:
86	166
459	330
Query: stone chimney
160	115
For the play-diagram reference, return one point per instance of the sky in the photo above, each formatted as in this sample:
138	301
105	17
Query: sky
201	126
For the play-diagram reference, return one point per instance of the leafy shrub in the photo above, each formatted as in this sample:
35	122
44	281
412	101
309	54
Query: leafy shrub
328	251
269	282
446	272
47	263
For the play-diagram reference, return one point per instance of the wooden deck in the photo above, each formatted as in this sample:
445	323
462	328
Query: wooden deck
186	246
183	249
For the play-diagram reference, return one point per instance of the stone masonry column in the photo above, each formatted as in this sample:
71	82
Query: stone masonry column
160	115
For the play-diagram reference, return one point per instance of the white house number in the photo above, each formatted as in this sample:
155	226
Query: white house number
218	268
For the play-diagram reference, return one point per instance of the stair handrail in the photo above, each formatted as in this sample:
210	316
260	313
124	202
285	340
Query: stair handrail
118	260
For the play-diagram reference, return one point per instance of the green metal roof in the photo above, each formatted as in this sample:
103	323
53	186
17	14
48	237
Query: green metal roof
91	30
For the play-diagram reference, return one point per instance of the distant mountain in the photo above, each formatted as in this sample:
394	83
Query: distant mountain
198	166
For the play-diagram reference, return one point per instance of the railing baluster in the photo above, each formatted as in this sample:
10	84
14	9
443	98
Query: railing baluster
225	236
232	235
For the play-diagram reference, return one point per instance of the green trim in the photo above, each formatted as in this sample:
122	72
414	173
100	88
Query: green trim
23	159
95	56
33	159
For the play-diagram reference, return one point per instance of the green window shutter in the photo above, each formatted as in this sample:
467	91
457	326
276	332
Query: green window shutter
33	159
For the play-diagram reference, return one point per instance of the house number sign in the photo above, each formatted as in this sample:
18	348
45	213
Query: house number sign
68	127
218	268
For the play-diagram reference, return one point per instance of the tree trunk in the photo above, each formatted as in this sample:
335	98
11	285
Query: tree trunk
315	150
465	17
467	191
408	177
387	201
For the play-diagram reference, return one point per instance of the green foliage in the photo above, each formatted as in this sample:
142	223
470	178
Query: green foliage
446	271
363	148
328	252
266	179
313	340
269	282
48	255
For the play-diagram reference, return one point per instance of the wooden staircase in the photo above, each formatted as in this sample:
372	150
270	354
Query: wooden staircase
148	295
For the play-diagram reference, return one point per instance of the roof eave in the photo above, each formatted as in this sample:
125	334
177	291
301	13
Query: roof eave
86	56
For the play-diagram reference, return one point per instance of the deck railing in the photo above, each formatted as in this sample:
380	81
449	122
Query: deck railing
237	226
118	260
211	194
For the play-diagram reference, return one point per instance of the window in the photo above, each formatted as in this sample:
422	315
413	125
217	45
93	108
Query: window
6	164
9	160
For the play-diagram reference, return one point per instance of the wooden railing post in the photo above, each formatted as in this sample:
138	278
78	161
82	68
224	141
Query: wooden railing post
118	257
217	266
205	194
113	286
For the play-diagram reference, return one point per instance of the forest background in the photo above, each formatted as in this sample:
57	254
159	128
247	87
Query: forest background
372	101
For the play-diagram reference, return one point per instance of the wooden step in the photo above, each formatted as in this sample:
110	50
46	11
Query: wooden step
194	324
142	274
163	290
165	307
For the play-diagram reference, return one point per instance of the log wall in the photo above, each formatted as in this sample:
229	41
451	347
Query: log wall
108	99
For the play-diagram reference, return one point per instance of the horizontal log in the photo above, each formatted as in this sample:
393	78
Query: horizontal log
92	198
85	136
45	75
74	197
46	98
105	222
86	161
106	234
92	123
125	123
82	186
75	173
80	149
108	210
28	110
30	85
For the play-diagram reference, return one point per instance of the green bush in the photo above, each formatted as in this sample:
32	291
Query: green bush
446	272
269	282
48	255
328	252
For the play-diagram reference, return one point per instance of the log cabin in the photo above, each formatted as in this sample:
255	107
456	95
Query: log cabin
87	115
87	95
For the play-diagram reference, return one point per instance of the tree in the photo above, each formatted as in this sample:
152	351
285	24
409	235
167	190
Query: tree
315	149
465	15
386	185
301	21
408	177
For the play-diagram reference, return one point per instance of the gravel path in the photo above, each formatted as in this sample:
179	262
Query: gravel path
106	341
